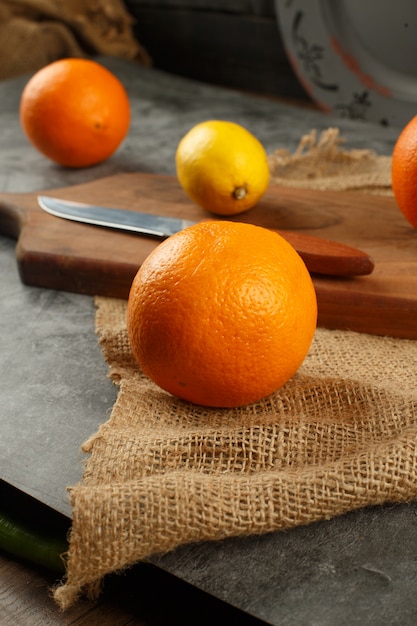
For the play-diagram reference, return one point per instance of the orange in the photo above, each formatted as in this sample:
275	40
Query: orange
404	171
222	313
222	167
75	111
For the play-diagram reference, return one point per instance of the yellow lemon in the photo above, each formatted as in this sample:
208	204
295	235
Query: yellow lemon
222	167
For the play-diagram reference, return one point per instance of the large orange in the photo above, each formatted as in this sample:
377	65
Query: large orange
222	313
404	171
75	111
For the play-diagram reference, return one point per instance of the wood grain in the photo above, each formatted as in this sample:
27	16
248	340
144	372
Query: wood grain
25	600
143	595
58	254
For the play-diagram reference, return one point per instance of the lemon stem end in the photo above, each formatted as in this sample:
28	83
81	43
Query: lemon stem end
239	193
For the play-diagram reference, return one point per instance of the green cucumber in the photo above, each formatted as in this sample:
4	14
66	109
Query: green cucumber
23	541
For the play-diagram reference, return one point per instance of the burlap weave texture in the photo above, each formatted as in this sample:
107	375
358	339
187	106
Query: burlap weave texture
34	33
323	162
341	435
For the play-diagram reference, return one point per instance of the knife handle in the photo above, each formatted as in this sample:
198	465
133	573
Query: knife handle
332	258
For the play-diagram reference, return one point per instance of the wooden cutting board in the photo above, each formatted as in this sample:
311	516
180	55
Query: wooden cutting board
58	254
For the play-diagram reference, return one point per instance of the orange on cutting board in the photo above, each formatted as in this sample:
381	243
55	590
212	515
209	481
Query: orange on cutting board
404	171
75	112
222	313
222	167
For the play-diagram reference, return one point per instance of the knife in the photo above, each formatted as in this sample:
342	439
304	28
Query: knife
321	256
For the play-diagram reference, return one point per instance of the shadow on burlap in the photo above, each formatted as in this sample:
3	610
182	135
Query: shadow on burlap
341	435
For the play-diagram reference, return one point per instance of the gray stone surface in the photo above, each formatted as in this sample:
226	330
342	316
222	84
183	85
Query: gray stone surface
53	385
358	569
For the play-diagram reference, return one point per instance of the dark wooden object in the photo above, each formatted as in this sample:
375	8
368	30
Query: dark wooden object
234	43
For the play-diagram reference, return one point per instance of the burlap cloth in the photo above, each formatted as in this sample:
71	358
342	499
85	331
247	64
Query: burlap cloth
342	434
34	33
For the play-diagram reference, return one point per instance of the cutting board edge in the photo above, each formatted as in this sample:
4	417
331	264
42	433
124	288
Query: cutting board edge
346	309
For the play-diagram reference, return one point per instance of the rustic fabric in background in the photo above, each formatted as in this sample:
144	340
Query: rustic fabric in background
34	33
322	162
342	434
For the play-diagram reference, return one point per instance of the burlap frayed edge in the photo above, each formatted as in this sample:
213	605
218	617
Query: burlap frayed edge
252	500
320	162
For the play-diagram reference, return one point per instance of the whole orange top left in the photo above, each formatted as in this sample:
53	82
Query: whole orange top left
75	112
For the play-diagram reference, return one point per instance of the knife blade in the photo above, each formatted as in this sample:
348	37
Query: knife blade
144	223
321	256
